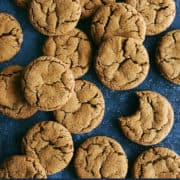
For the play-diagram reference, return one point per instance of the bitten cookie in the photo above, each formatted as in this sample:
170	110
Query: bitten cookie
11	37
55	17
22	3
48	84
12	101
101	157
152	122
74	49
118	19
50	143
158	162
157	14
84	111
122	63
168	56
21	167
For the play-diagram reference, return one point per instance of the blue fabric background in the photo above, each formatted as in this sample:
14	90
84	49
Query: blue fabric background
118	103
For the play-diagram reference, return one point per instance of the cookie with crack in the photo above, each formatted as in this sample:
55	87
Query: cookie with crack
158	162
118	19
11	37
100	157
12	101
168	56
54	17
122	63
21	167
73	48
22	3
84	111
152	122
158	14
50	143
47	83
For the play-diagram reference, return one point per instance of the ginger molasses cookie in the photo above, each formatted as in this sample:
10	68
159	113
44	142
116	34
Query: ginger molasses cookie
122	63
50	143
84	111
11	37
152	122
73	48
22	3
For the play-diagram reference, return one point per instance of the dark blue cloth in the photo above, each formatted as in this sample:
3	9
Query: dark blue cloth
118	103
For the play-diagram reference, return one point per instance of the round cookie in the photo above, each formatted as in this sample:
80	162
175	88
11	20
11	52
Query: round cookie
48	84
73	48
122	63
55	17
152	122
158	162
21	167
168	56
101	157
22	3
11	37
50	143
12	102
84	111
118	19
158	14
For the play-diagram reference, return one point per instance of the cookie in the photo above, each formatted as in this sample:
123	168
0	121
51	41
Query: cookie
22	3
168	56
101	157
84	111
50	143
118	19
21	167
89	7
73	48
12	101
47	83
158	162
11	37
54	18
122	63
157	14
152	122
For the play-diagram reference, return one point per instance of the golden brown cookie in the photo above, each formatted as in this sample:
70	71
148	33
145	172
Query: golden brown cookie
122	63
50	143
48	84
158	162
118	19
152	122
21	167
74	49
84	111
54	17
158	14
101	157
22	3
11	37
12	101
168	56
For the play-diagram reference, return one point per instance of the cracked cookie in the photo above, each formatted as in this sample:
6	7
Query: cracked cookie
73	48
158	162
12	101
22	3
50	143
54	17
84	111
21	167
122	63
47	83
11	37
118	19
158	14
101	157
152	122
168	56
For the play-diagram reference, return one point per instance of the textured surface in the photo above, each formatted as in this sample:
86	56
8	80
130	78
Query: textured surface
117	103
22	3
